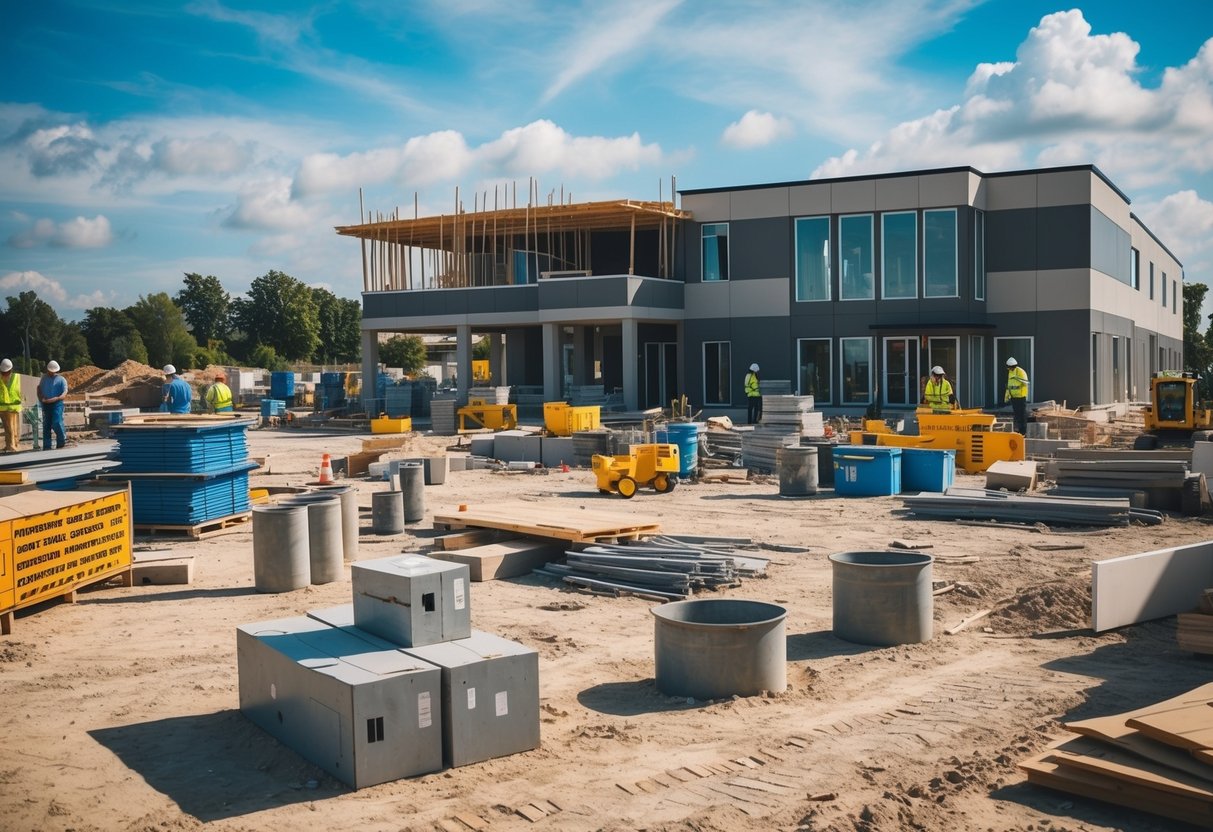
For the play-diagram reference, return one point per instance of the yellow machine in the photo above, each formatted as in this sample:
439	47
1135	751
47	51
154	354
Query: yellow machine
655	465
562	419
1174	416
485	415
480	371
969	432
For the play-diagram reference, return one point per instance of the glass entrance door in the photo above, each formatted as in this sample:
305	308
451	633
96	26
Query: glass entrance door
901	372
660	383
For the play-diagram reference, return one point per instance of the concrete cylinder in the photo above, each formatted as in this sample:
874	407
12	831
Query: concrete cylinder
883	598
387	512
323	534
349	518
797	471
281	560
412	489
713	648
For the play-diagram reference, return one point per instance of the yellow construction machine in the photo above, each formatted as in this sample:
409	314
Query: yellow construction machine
656	465
969	432
1174	415
485	415
562	419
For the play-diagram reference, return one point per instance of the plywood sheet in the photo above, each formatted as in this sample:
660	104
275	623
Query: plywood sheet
1135	588
1189	727
1090	755
574	525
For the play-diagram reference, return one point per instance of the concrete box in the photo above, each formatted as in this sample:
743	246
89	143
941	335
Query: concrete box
436	468
482	446
412	600
557	449
517	446
490	696
365	715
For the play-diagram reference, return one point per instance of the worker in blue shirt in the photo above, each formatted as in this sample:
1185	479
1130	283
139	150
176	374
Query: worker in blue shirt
52	390
177	394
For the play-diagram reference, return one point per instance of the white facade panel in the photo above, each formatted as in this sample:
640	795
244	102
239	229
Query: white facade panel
707	300
758	204
1004	193
809	200
897	194
1067	187
759	298
1010	292
853	197
943	189
707	207
1060	289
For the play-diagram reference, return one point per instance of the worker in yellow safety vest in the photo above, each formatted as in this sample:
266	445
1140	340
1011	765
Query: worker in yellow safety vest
10	405
938	394
1017	394
753	396
219	396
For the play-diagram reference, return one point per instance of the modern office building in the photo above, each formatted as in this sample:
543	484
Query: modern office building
849	289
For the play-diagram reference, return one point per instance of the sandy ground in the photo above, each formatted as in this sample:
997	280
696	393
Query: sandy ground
120	712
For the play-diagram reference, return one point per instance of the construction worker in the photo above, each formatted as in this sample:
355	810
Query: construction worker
52	390
753	396
10	405
1017	394
177	394
219	395
938	394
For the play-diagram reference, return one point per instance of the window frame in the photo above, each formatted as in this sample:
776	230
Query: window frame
884	252
955	253
727	380
979	255
871	218
1135	268
842	355
703	260
829	290
1164	290
829	374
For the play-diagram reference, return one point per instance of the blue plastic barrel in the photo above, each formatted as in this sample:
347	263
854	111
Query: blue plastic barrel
686	436
282	385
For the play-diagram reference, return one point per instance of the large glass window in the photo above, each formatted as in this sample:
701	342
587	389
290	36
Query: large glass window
855	258
899	249
856	370
979	256
939	250
717	373
716	251
813	258
813	361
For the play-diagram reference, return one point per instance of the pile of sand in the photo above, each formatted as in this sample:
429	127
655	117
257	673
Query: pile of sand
81	376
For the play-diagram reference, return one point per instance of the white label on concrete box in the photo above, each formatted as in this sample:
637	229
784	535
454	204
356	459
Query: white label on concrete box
460	598
424	718
471	699
503	703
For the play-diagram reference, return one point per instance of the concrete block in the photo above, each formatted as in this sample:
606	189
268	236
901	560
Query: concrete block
557	449
412	600
458	462
518	446
1142	587
1047	447
483	445
1013	476
178	571
436	468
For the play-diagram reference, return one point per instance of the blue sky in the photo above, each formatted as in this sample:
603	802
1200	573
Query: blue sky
140	140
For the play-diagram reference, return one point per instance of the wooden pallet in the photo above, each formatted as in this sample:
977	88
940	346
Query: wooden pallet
579	525
197	531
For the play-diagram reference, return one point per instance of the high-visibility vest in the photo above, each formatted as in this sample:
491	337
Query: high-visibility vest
938	393
751	384
219	396
1017	383
10	392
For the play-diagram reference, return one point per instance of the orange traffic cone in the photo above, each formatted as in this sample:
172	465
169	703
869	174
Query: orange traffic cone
326	470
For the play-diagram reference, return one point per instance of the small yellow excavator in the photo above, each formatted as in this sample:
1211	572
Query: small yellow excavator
1174	415
655	464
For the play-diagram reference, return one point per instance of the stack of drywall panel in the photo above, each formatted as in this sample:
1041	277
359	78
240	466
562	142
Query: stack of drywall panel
792	412
442	416
760	446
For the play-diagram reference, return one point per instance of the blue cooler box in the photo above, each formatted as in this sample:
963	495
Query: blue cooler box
924	469
867	470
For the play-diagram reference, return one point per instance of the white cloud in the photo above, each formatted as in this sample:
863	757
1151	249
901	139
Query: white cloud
756	129
542	147
47	289
217	154
1070	97
80	232
266	206
1187	222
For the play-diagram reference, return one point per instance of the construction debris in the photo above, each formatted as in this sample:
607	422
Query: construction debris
979	504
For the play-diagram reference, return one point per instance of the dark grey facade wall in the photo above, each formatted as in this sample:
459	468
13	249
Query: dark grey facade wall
660	294
1061	353
609	252
1036	239
434	302
766	341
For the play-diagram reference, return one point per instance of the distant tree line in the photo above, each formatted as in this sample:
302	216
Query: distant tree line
279	322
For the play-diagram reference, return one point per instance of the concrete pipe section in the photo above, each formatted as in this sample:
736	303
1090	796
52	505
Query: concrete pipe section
797	471
720	647
281	559
387	512
349	517
412	487
324	535
883	598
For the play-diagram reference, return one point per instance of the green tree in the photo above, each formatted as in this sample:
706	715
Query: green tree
481	350
1198	346
112	337
404	351
73	348
36	329
280	313
162	327
263	355
205	305
340	328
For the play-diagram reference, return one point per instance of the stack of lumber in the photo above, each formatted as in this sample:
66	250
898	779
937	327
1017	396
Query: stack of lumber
1157	759
979	504
661	567
721	447
794	412
490	395
1195	631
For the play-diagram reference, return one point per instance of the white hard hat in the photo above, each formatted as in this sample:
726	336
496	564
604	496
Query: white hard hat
1011	362
937	370
5	366
52	366
754	367
170	370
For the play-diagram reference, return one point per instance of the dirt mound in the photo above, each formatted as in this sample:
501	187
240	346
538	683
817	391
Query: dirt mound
1052	606
124	374
81	376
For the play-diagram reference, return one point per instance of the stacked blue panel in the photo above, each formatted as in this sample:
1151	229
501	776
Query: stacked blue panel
398	400
181	449
190	500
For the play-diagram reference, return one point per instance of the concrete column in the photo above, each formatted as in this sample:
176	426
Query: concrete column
631	381
581	356
370	368
551	362
463	361
497	359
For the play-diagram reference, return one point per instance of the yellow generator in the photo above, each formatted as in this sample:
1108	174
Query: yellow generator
562	419
969	432
485	415
655	465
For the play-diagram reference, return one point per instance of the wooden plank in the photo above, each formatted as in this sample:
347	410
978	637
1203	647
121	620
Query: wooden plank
1089	755
523	518
472	537
956	628
503	560
197	531
12	477
1149	585
1189	727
